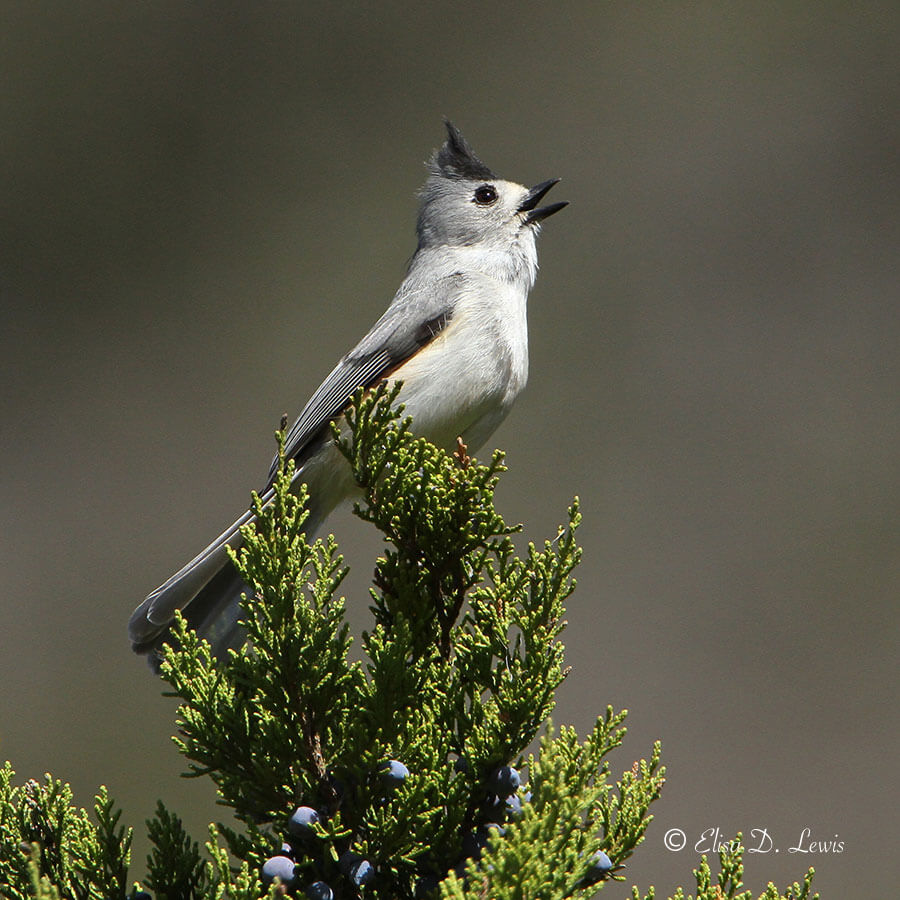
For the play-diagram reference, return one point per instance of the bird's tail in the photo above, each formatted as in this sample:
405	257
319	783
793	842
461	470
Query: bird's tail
207	591
213	614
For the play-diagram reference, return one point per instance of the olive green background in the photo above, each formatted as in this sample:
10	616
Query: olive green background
204	206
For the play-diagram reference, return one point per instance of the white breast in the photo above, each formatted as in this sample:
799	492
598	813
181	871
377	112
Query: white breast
464	382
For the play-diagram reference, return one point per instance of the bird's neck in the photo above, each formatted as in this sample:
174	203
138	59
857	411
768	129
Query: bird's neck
515	265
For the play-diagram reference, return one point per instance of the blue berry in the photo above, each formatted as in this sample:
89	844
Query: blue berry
476	841
362	873
302	821
599	867
347	861
140	895
287	850
318	890
506	808
513	806
278	867
393	773
505	781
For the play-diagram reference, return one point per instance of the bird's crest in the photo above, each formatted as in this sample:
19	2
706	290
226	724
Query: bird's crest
456	159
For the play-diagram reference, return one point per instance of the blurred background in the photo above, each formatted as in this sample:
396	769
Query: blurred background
204	206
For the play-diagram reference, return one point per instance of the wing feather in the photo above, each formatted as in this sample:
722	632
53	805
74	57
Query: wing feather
415	318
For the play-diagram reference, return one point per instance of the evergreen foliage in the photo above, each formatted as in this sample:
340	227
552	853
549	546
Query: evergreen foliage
395	777
51	849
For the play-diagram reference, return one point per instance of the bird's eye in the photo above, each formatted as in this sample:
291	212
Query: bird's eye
485	195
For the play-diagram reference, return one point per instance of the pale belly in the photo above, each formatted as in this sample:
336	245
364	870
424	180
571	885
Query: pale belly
464	383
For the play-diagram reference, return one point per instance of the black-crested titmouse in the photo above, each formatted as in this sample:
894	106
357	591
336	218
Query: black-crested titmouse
455	335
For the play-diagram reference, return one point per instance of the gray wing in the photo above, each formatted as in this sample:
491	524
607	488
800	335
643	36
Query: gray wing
416	316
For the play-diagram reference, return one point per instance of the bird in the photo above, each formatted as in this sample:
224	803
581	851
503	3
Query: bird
455	337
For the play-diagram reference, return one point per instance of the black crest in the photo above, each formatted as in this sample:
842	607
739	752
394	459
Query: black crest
456	159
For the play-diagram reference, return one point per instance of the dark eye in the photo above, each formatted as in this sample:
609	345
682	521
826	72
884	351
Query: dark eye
485	195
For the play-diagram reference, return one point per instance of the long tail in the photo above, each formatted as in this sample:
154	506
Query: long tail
207	591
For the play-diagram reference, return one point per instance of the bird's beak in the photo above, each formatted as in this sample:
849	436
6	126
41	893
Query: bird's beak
533	197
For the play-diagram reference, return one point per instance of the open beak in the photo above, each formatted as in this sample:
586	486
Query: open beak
533	197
